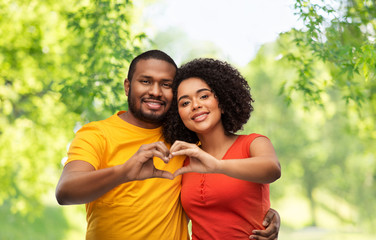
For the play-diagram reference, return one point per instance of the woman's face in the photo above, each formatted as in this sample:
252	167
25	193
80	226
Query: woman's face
198	106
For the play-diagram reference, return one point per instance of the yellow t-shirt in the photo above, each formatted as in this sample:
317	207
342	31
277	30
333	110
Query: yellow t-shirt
148	209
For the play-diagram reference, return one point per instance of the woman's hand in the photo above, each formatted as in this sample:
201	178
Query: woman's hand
200	161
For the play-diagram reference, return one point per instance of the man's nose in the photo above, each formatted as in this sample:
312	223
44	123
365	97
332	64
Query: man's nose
155	90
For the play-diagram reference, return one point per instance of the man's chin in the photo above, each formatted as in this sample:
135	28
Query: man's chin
152	117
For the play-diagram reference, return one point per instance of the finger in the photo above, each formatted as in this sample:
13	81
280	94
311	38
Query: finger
187	152
181	171
268	218
162	174
272	223
178	145
157	153
150	146
149	154
161	146
158	149
271	237
275	220
269	233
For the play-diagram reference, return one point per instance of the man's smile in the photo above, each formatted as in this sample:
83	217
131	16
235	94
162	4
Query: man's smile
153	104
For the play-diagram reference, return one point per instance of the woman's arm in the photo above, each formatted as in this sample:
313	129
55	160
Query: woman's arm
262	167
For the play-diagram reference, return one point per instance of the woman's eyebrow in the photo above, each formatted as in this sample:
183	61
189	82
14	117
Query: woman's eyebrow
184	96
198	91
203	89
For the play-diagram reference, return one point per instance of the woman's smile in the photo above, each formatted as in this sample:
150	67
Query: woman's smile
199	117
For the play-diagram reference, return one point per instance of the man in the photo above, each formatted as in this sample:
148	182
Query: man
120	167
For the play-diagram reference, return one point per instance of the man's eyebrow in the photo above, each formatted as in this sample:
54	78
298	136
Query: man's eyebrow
198	91
150	77
146	76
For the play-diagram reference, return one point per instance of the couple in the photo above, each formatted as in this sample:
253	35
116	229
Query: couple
209	102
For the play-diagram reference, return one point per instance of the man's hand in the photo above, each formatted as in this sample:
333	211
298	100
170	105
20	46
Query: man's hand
272	223
141	166
80	182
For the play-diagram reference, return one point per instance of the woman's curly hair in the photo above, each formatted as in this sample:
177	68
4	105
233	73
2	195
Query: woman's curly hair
230	87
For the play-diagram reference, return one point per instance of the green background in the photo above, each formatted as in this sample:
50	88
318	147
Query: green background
63	65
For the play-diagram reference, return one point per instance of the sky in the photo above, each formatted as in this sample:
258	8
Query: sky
237	27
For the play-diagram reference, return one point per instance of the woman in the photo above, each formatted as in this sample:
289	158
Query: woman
225	189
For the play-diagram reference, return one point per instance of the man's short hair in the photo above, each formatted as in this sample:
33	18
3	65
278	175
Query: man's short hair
151	54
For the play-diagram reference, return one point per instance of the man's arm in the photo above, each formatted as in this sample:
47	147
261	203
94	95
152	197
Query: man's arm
272	223
81	183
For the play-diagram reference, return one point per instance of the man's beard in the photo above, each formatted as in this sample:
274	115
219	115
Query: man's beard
138	113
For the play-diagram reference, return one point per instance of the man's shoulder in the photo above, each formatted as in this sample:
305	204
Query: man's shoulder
96	126
110	121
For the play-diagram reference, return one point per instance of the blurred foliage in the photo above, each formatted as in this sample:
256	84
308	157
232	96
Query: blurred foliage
320	153
341	34
333	61
61	63
103	44
43	227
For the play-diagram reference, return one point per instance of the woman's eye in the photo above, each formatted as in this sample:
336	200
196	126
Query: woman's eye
184	104
204	96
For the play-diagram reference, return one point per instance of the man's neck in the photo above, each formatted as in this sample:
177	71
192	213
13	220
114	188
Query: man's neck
131	119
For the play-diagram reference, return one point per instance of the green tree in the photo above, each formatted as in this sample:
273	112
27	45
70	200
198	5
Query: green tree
61	63
341	34
319	153
103	45
32	133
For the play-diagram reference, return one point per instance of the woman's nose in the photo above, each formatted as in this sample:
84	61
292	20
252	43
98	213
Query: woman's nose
196	104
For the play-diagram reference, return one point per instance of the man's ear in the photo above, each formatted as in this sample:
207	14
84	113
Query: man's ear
127	85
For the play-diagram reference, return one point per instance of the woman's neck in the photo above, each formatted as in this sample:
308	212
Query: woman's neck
216	143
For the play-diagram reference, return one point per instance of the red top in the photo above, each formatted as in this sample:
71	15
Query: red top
222	207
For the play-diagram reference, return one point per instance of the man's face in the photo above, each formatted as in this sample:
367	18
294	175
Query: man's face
149	92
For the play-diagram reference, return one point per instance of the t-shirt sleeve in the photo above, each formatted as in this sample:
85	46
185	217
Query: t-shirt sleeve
88	145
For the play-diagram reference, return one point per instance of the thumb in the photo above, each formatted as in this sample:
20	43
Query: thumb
163	174
180	171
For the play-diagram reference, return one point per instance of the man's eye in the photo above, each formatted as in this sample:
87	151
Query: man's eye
145	81
166	85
